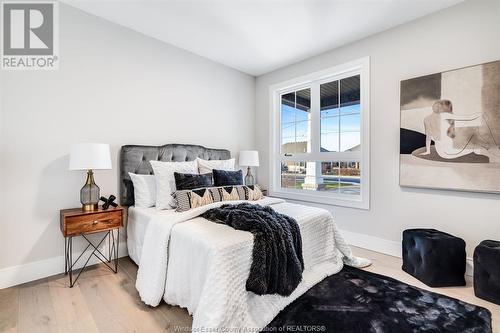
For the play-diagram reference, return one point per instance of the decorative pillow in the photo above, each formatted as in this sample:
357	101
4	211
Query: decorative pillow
144	190
227	178
188	199
165	180
206	166
230	193
253	192
189	181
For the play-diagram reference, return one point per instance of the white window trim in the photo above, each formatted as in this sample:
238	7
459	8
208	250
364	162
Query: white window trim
360	66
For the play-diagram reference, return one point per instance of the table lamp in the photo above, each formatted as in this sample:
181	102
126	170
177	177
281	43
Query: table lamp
90	156
249	158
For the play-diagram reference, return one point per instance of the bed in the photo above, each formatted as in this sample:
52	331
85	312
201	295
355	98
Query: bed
188	261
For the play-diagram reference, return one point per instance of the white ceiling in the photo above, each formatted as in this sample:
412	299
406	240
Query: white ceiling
259	36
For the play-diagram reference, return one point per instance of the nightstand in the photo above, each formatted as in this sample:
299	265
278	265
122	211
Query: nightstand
77	223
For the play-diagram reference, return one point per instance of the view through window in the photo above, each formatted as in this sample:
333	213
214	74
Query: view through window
320	137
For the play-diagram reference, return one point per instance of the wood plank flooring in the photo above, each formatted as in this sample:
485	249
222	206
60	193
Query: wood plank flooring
105	302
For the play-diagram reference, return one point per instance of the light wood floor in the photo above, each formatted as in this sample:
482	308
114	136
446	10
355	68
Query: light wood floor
105	302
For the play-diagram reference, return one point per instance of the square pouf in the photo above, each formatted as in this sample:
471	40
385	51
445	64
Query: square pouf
434	257
487	271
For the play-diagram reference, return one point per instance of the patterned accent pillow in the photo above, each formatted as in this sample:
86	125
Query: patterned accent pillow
253	192
189	199
229	193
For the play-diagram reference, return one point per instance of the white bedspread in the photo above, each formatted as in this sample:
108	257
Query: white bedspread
208	265
137	224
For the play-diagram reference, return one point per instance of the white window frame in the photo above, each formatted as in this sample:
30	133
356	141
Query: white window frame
358	67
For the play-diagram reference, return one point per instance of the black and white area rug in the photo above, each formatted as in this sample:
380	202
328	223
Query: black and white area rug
357	301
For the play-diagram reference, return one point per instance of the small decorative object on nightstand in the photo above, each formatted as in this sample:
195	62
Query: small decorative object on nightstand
75	222
90	156
109	202
249	158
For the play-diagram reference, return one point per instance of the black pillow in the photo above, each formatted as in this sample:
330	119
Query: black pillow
226	178
188	181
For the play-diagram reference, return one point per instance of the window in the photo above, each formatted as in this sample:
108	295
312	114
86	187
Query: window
320	131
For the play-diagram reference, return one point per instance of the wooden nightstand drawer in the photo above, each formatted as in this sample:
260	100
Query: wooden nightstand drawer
76	225
75	222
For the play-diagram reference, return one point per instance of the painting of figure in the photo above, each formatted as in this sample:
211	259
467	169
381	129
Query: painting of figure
450	130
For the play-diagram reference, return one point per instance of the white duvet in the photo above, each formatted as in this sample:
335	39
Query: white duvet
205	267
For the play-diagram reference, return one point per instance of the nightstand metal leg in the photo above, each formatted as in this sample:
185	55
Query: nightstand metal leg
109	246
65	256
116	253
71	262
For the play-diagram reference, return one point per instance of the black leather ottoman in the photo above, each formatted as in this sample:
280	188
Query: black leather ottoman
434	257
487	271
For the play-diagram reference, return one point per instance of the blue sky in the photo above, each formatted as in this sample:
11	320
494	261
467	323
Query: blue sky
340	127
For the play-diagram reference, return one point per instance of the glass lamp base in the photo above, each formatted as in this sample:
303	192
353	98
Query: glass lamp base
249	179
89	194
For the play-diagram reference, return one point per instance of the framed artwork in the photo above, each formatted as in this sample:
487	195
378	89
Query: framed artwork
450	130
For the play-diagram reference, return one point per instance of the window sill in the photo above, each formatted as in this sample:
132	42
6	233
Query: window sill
331	200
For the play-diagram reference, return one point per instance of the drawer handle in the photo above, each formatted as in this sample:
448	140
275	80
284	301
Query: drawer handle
108	221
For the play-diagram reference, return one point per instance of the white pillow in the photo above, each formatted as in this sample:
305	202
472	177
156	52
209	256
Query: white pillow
165	181
205	166
144	190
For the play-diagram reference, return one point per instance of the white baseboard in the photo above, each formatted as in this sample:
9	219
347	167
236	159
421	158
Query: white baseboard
12	276
372	243
469	267
386	246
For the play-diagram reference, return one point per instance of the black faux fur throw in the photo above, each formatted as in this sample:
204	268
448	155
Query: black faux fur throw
277	262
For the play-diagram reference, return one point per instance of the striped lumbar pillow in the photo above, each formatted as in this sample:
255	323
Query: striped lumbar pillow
189	199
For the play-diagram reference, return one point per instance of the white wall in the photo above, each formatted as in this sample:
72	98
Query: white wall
114	86
463	35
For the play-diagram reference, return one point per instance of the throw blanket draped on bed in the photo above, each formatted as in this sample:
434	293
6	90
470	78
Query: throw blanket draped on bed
277	262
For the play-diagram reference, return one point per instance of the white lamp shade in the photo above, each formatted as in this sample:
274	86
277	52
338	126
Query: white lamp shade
249	158
90	156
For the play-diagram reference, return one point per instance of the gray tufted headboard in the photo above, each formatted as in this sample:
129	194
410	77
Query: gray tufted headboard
136	159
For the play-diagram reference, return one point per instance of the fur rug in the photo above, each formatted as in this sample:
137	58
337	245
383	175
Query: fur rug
277	262
357	301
